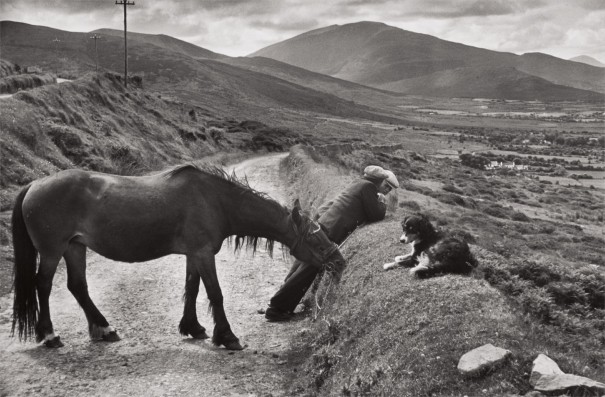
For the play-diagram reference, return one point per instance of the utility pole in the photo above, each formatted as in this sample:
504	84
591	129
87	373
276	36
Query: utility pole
125	3
95	37
56	41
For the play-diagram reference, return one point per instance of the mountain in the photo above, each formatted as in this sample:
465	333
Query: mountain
390	58
164	41
588	60
317	81
173	67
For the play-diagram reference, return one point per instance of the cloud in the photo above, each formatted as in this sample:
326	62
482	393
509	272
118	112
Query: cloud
239	27
286	24
58	6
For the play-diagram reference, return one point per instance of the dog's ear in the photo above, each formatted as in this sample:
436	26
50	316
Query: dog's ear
425	225
424	217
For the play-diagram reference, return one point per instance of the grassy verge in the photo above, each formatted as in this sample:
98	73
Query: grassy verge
385	333
15	83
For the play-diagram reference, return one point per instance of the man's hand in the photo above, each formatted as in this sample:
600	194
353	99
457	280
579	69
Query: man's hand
382	198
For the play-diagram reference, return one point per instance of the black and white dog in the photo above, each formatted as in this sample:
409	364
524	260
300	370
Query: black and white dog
433	252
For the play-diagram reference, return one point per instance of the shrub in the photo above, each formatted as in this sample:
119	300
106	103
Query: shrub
496	210
474	161
538	303
449	198
411	204
452	189
566	293
520	217
538	273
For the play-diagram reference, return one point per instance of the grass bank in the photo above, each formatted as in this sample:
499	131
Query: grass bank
386	333
12	84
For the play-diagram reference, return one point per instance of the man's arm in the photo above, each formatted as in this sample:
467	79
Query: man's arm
323	209
374	209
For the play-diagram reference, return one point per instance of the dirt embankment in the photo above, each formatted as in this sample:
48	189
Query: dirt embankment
143	302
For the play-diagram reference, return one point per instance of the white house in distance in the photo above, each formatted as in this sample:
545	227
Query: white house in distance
499	164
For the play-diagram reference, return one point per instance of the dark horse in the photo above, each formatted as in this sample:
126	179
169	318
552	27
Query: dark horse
186	210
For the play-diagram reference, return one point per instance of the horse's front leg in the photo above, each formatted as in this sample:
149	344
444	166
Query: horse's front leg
205	264
189	324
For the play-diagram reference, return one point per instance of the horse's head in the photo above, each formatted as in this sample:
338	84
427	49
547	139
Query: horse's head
312	245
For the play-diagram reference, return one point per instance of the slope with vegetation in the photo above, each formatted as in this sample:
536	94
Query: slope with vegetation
386	333
180	69
13	79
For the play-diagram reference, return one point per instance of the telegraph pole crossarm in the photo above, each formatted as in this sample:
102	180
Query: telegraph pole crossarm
125	3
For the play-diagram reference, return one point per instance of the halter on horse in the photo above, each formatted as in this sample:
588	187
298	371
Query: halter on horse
186	210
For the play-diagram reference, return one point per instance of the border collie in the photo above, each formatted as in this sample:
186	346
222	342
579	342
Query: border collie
433	252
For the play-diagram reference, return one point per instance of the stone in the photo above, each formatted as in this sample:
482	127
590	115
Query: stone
565	383
482	358
543	365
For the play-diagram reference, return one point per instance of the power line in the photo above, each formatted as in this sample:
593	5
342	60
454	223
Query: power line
125	3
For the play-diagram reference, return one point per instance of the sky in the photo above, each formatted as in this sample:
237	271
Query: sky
562	28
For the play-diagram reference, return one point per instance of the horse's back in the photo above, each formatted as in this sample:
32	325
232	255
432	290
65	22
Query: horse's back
123	218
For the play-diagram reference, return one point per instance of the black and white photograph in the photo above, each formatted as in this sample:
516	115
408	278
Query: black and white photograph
275	198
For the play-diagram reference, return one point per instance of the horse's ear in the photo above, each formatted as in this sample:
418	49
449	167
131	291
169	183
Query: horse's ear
296	212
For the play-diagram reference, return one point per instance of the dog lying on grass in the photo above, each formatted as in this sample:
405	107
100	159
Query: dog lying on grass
433	252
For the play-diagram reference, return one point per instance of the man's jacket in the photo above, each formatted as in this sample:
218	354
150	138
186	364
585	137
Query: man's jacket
356	205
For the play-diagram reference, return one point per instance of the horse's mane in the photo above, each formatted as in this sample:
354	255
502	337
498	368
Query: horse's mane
250	242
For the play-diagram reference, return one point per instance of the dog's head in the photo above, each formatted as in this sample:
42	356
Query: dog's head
415	229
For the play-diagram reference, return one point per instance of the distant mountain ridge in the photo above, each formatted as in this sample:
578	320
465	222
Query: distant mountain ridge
390	58
588	60
178	68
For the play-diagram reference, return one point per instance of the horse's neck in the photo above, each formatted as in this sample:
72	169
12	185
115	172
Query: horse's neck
260	217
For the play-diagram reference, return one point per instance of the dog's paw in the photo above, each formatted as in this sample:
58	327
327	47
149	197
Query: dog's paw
419	269
402	258
389	266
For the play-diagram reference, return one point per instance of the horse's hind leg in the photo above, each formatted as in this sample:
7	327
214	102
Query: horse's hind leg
189	324
206	267
44	284
98	327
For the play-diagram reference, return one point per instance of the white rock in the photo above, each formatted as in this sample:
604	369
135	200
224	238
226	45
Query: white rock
481	358
561	383
543	365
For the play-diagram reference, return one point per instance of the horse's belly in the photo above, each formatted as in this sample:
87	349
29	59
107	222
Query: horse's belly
126	249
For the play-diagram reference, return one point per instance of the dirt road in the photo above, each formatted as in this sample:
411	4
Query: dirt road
143	302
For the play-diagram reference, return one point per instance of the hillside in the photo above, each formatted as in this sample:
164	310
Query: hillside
306	78
378	333
164	41
95	123
176	68
490	82
382	56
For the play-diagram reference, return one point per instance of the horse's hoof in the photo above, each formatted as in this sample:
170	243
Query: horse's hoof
54	342
199	335
233	345
111	337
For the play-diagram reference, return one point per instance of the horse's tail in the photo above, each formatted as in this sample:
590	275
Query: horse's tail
25	304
